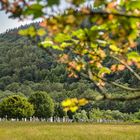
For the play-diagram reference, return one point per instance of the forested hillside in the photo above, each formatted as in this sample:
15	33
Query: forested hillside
24	69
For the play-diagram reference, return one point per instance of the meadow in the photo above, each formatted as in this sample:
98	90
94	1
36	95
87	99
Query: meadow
65	131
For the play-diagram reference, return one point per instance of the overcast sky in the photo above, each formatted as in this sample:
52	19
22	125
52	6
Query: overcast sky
6	23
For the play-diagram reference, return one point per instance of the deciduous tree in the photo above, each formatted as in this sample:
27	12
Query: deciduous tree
43	104
88	38
16	106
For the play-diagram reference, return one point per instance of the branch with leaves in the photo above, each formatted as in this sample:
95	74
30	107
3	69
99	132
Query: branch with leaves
93	41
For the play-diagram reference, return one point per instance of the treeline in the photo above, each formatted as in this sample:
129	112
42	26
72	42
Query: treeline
38	104
26	69
41	106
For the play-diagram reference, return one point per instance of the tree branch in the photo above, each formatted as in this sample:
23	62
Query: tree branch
123	87
111	98
103	12
117	84
89	79
128	67
110	82
126	98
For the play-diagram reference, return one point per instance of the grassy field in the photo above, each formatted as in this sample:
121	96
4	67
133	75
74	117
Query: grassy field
47	131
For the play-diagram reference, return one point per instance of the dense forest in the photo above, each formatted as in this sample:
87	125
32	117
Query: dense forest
25	69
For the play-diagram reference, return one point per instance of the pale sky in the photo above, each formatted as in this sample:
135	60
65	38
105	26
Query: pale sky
6	23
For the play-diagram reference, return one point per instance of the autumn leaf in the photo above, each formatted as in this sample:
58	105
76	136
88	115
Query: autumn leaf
120	67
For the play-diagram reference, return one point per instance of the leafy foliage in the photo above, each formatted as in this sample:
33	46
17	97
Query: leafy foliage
97	114
94	42
43	104
73	104
16	106
81	116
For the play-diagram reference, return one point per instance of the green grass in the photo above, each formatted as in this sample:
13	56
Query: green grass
56	131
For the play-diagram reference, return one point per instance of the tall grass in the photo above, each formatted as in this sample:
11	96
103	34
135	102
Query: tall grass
56	131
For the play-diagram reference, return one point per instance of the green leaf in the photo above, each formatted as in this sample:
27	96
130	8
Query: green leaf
114	48
104	70
47	44
134	56
93	45
23	32
53	2
31	31
78	2
132	5
133	35
35	10
101	27
98	3
41	32
65	44
62	37
57	47
80	34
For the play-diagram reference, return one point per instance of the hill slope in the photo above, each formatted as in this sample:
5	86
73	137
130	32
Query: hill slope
25	69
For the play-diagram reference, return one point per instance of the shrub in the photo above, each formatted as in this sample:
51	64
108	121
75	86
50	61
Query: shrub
81	116
16	106
58	111
43	104
96	114
137	115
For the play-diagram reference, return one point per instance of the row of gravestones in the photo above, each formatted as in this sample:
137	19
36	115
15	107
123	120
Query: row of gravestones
57	119
35	119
